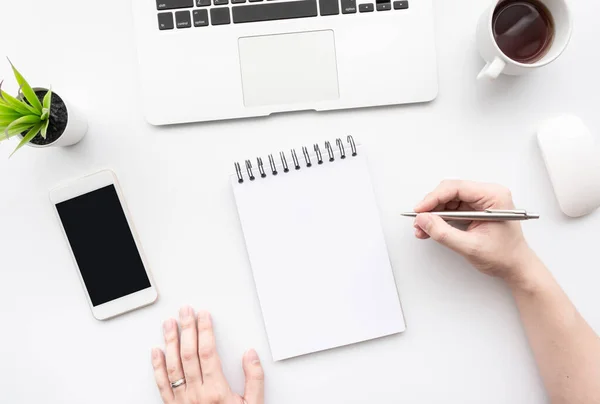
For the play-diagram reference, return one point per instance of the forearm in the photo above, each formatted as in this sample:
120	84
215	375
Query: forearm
565	347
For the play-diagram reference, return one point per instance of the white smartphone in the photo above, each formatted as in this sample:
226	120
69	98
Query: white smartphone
104	245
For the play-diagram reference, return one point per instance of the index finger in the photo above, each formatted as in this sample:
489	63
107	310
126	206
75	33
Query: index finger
470	192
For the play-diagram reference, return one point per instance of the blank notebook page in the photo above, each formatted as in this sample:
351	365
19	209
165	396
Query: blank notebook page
319	257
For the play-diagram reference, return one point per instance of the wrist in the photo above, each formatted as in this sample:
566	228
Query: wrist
528	271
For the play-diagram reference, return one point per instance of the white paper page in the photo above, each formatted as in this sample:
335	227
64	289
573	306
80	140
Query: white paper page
319	257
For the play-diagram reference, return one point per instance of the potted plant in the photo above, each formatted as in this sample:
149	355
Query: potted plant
39	117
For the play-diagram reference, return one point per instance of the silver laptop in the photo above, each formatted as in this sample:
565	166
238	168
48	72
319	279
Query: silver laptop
203	60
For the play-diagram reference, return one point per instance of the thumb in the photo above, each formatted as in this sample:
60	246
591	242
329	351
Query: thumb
254	390
443	233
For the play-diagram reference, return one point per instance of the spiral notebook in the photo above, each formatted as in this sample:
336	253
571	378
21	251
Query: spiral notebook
317	249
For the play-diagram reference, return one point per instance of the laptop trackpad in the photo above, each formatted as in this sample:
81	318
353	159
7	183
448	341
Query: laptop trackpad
289	68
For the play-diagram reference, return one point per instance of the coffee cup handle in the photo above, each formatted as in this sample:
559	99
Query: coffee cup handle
492	69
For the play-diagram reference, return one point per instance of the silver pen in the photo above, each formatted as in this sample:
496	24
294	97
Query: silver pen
488	215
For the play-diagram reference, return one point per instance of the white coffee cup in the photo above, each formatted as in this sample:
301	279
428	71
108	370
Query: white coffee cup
498	62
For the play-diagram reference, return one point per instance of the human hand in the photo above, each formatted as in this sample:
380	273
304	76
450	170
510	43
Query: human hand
198	363
495	248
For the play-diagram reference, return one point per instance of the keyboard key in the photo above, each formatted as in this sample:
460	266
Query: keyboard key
165	21
171	4
274	11
254	1
182	19
219	16
200	18
384	6
329	7
365	8
400	5
348	6
220	2
202	3
237	1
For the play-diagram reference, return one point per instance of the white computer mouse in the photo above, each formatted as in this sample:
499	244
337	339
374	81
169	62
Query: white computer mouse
572	157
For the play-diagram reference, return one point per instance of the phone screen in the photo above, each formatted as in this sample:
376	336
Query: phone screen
103	245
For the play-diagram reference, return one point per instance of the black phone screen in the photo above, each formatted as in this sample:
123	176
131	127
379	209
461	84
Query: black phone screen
103	245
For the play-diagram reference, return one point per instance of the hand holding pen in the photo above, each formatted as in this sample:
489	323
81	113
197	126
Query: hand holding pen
495	247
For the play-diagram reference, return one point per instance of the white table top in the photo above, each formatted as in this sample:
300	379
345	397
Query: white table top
464	342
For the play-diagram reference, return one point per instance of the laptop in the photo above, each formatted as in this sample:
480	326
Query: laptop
204	60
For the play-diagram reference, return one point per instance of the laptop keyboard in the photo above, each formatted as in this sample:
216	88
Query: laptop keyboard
202	13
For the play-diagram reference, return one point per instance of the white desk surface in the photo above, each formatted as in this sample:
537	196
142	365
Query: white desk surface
464	342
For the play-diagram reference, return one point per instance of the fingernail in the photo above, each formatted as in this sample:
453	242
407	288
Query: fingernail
169	325
253	357
203	316
155	353
186	312
417	232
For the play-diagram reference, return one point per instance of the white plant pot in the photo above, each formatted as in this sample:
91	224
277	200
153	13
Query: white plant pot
76	129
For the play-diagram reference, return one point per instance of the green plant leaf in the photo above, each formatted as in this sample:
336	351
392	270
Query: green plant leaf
30	135
24	120
29	119
7	120
27	90
15	130
45	114
45	128
4	109
13	115
20	106
47	103
2	102
12	102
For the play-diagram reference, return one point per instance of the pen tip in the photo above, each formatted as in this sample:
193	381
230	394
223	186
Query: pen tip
408	214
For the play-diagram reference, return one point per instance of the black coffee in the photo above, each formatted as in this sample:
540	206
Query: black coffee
523	29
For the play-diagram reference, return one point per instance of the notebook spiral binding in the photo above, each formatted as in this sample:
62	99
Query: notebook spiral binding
295	161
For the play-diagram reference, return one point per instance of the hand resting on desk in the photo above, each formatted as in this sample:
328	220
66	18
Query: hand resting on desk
192	357
566	349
